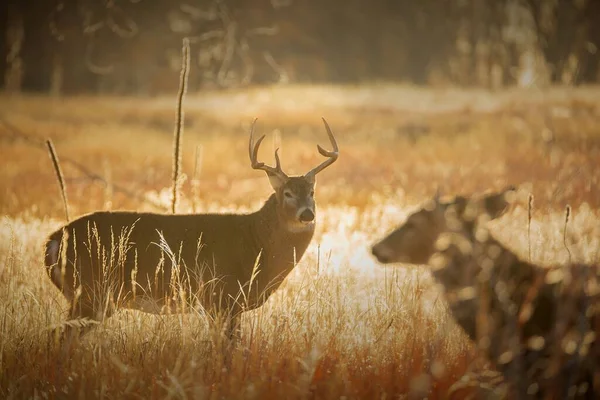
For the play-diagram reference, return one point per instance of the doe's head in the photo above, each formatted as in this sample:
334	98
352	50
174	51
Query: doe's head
295	195
414	242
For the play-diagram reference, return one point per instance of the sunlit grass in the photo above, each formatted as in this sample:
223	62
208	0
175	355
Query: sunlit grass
340	325
337	323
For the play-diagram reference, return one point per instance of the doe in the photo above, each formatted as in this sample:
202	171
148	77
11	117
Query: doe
539	325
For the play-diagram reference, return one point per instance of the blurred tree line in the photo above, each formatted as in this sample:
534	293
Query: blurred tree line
133	46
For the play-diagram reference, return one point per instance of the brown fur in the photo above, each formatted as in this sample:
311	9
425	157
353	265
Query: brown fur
215	255
520	314
222	263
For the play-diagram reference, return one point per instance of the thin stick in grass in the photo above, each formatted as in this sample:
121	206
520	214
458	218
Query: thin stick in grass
59	176
529	216
567	215
183	79
195	176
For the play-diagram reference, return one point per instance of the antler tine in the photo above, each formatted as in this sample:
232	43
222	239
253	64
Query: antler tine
277	161
253	153
251	140
332	155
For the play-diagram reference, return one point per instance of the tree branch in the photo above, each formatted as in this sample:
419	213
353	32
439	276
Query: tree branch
89	174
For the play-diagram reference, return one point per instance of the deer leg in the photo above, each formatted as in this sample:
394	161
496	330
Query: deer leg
233	329
230	336
84	315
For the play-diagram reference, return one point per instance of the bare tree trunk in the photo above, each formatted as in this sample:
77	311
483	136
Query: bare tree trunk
3	40
15	33
589	58
511	64
556	28
477	42
56	78
503	54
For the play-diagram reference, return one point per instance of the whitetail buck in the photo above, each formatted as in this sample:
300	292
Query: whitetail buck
225	263
539	326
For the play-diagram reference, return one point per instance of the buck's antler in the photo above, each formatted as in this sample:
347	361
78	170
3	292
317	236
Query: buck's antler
253	152
332	155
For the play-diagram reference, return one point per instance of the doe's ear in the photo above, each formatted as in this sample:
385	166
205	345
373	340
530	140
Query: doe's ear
437	195
460	204
276	180
496	204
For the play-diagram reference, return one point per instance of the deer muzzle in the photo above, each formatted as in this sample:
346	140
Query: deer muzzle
307	215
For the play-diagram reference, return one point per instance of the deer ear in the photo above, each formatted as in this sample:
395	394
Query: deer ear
276	180
437	195
460	203
496	204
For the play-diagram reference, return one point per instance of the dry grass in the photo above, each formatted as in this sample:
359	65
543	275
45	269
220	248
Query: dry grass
340	325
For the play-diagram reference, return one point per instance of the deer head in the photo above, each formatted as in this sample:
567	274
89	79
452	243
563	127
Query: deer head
294	194
414	242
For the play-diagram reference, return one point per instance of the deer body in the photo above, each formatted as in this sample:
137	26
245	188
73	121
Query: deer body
211	249
525	316
224	263
524	313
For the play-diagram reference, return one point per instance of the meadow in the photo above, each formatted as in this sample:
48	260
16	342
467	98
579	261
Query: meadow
341	325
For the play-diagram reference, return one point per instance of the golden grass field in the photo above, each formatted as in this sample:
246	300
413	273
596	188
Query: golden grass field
341	326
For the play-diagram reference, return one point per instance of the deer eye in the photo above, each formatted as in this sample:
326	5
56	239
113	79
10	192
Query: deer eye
312	193
288	194
410	226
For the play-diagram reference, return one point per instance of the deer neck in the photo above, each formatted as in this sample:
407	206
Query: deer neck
507	271
281	247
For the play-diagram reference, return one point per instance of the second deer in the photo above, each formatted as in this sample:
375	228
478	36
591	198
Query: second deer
539	326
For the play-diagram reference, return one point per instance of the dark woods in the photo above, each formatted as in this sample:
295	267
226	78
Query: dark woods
133	46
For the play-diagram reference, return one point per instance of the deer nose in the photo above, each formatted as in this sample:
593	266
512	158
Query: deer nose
307	215
381	254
